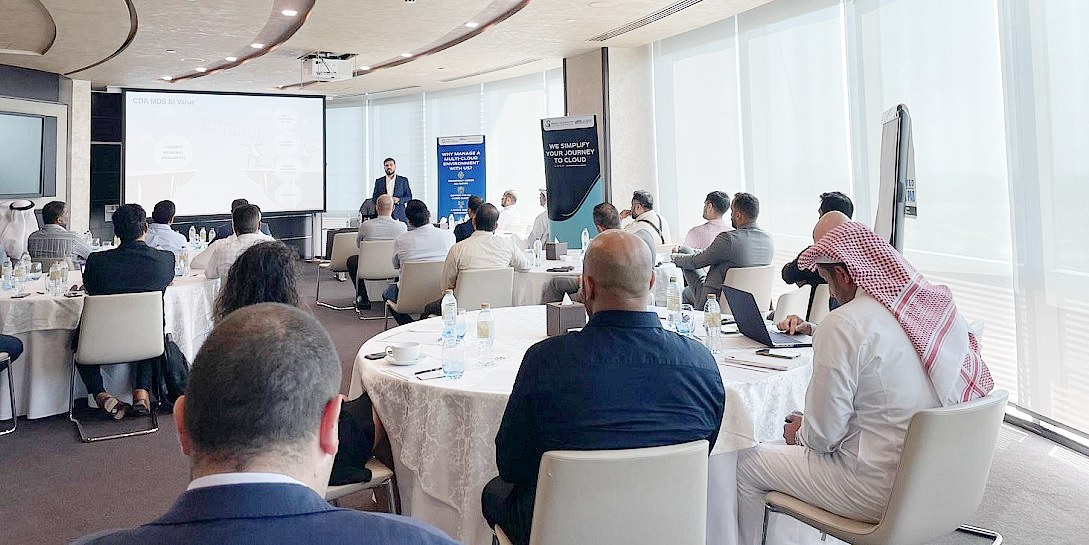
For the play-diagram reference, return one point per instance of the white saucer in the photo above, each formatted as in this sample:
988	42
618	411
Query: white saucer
391	361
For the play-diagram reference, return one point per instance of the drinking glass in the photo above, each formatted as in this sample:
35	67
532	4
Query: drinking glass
453	358
687	322
35	270
96	243
459	324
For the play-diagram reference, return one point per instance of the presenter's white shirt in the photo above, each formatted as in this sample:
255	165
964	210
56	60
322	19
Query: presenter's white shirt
867	383
508	216
482	250
424	243
658	222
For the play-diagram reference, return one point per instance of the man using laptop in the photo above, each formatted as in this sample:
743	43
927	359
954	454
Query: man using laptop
868	380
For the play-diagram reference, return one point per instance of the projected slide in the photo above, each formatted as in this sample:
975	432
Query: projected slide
204	150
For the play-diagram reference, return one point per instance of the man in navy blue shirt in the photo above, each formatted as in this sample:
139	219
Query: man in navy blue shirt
622	382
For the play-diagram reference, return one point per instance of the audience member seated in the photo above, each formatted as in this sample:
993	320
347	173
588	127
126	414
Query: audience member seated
622	382
646	219
831	201
541	226
159	233
54	239
605	217
267	272
509	215
225	229
259	425
482	250
18	223
384	227
868	380
132	267
465	228
424	242
745	246
715	206
223	253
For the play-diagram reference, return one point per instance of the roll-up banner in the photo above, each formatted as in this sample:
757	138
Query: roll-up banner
461	173
572	175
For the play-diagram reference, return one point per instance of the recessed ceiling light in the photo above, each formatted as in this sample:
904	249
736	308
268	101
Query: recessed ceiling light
279	86
201	69
167	78
171	51
602	4
257	46
192	59
406	55
230	59
364	67
289	13
471	24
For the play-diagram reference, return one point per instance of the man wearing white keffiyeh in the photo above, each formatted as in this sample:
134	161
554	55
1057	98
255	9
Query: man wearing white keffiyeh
895	346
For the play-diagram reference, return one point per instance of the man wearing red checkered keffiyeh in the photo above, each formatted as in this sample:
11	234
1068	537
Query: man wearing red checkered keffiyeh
947	348
895	346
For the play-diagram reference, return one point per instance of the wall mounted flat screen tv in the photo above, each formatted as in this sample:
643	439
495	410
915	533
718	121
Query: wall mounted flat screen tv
28	153
203	150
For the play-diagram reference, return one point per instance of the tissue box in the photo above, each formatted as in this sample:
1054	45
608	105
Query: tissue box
562	318
555	251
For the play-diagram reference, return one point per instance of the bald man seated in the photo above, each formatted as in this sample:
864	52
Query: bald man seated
384	227
622	382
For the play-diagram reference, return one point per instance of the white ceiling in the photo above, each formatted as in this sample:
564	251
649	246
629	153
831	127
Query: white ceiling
124	43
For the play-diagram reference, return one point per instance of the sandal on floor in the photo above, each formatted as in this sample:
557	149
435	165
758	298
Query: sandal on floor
114	407
140	407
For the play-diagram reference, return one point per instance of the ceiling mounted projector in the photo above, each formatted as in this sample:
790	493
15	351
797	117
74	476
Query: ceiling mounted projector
324	66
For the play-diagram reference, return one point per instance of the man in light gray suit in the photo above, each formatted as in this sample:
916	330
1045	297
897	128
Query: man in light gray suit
746	246
384	227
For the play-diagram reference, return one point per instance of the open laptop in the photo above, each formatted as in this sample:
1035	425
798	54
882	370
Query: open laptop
752	325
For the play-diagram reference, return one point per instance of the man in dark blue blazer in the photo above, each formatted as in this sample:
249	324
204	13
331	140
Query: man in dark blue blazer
132	267
259	424
401	193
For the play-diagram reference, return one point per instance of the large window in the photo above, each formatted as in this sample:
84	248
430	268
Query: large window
785	101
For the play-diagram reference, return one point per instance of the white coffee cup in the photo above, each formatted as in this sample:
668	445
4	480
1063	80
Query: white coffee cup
403	351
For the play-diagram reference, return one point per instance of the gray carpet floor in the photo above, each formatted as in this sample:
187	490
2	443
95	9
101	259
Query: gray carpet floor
54	489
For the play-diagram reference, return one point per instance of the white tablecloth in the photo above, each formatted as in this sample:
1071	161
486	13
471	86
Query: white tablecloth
45	323
528	285
443	431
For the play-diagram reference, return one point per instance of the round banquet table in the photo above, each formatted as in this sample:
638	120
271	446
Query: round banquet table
528	286
443	430
45	323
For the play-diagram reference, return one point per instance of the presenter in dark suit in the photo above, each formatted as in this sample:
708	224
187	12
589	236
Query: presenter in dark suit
130	268
401	192
259	425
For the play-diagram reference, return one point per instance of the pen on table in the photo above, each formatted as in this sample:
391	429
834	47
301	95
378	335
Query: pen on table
428	370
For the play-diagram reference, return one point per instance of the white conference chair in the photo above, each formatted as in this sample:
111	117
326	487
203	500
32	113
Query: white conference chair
495	286
419	285
5	364
794	302
755	280
375	263
940	481
665	249
645	496
818	308
381	477
343	247
103	342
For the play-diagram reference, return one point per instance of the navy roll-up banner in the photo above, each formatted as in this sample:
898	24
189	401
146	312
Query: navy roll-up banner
461	173
572	175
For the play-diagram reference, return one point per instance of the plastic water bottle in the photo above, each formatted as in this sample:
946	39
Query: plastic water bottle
87	236
18	276
8	272
52	279
673	301
450	220
449	314
25	260
212	234
537	257
485	336
203	235
585	239
443	224
192	234
712	320
63	270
